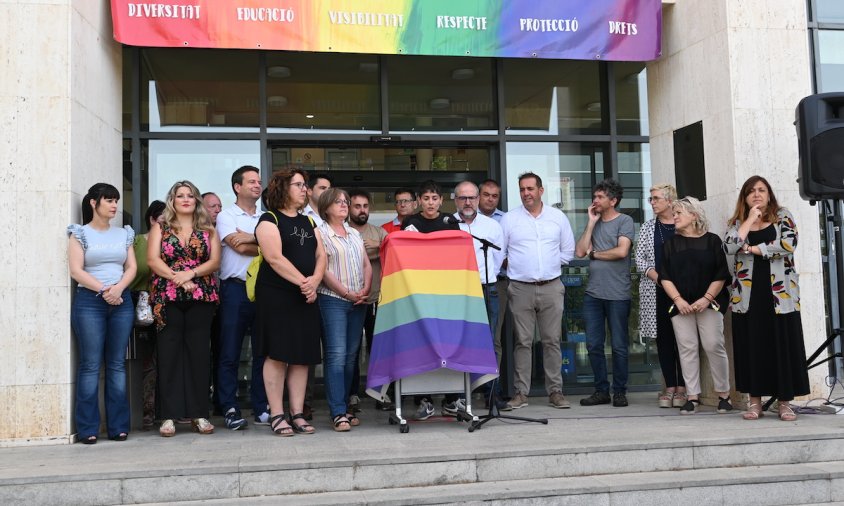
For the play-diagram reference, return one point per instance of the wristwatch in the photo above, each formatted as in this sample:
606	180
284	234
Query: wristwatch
592	255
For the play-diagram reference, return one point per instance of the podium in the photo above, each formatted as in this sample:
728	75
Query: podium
431	333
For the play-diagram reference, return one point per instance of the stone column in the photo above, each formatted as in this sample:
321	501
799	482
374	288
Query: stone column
741	67
60	107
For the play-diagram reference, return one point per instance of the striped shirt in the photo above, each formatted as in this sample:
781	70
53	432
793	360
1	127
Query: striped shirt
345	258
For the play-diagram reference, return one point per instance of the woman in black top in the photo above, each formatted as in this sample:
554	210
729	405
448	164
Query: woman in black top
288	318
693	274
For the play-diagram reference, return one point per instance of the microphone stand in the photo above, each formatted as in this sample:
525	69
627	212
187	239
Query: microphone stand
494	412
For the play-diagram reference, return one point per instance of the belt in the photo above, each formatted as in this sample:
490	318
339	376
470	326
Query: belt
235	280
488	285
537	283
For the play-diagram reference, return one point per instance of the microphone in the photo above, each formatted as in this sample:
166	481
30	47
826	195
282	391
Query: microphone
451	220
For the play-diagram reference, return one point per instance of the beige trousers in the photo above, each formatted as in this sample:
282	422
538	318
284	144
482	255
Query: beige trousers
537	308
707	330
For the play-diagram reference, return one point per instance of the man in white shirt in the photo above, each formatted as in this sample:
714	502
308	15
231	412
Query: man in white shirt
236	229
317	183
538	241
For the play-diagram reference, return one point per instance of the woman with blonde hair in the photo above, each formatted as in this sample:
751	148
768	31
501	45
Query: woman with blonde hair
654	322
184	254
770	357
693	274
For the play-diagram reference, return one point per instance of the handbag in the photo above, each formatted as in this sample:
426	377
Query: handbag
143	311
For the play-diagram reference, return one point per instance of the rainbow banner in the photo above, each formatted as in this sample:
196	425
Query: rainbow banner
432	313
617	30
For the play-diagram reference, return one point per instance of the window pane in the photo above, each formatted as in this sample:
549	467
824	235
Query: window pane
631	98
830	11
552	97
566	170
441	94
831	60
634	174
189	90
206	164
323	92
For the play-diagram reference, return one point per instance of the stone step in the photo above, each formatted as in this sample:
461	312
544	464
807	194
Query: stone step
816	483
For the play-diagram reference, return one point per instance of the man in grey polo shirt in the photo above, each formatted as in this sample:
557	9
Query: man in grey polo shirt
607	242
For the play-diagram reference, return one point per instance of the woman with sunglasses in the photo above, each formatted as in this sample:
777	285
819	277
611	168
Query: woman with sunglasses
342	302
693	274
770	358
654	322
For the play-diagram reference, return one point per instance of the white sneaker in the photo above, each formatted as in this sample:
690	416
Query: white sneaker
451	408
425	410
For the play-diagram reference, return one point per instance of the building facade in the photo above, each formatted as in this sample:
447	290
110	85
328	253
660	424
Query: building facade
84	108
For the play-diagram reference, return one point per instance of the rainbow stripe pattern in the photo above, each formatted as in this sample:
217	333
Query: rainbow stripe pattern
432	312
618	30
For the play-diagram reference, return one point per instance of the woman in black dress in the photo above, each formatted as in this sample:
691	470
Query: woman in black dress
288	318
770	358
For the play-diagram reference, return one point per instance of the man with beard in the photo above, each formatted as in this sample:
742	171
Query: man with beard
360	201
466	201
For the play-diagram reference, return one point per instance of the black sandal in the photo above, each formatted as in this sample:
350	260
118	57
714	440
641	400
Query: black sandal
303	428
277	420
353	420
339	420
90	440
119	437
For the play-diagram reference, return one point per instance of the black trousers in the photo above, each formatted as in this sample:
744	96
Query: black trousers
184	356
666	343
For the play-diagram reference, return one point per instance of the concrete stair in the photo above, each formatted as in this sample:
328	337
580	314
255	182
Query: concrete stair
583	456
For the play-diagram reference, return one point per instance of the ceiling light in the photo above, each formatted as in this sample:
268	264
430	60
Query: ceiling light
462	74
439	103
593	106
309	116
276	101
278	71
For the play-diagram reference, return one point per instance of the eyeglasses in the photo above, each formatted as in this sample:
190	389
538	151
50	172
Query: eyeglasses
341	202
403	202
466	199
298	184
655	199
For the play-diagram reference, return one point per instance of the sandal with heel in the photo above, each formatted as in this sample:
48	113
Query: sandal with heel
786	414
303	428
754	412
275	426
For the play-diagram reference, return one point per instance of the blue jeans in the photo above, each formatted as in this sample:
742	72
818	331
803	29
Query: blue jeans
597	314
236	316
102	334
342	323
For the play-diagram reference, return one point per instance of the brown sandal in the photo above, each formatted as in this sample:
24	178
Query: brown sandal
786	414
754	412
278	430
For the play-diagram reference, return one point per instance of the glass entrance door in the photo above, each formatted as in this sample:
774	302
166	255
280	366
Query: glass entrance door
381	169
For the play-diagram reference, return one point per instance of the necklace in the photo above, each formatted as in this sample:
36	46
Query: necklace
660	226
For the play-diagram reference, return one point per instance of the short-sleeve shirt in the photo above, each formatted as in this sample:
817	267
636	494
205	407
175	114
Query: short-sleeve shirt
105	250
692	264
610	279
232	263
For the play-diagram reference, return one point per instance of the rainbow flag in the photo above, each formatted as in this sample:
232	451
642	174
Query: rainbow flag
431	313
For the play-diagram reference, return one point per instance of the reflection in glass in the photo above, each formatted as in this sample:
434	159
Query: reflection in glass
207	164
634	174
552	97
325	92
189	90
830	11
631	99
831	60
324	159
441	94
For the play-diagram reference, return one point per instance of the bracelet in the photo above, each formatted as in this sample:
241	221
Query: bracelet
709	297
102	291
675	298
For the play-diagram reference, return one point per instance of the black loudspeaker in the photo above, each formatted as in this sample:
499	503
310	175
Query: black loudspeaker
820	138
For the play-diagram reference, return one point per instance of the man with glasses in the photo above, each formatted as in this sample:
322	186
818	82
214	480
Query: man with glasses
405	201
236	229
607	242
466	200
